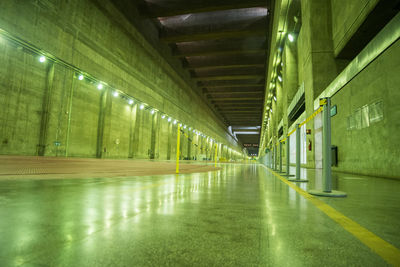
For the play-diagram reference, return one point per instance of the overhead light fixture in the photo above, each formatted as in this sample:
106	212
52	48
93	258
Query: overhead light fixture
290	37
130	101
184	127
169	119
42	59
141	106
80	77
174	121
153	111
115	94
163	116
279	78
99	86
275	98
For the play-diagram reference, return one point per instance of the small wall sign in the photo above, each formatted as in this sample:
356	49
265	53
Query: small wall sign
333	110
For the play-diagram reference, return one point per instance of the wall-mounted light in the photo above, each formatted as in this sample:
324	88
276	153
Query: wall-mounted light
99	86
153	111
175	121
130	101
290	37
42	59
163	117
275	98
141	106
169	119
80	77
279	78
115	94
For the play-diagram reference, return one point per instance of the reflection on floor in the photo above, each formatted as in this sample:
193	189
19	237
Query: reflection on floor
239	215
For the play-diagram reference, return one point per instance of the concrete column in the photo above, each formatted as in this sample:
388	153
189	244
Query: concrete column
136	136
297	151
280	157
154	135
316	56
183	144
46	105
105	109
189	144
169	142
70	100
132	131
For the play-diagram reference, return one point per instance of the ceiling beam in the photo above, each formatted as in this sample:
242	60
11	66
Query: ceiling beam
242	111
243	123
235	93
240	116
220	53
238	110
229	77
233	85
231	90
234	99
224	110
155	11
248	118
218	67
176	38
246	104
235	103
244	119
253	122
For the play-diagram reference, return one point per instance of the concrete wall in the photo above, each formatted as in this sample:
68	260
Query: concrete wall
311	60
47	110
347	16
371	146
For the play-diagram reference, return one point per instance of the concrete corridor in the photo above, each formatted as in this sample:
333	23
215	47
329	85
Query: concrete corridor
242	215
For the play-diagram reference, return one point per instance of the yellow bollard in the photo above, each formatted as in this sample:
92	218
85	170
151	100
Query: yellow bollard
178	142
215	156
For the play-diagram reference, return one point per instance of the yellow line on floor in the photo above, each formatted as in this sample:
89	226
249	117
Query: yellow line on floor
387	251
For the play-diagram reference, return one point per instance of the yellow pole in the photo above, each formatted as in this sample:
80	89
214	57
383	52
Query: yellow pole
178	143
215	156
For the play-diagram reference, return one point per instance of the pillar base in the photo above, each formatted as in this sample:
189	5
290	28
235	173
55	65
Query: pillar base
298	180
287	175
333	193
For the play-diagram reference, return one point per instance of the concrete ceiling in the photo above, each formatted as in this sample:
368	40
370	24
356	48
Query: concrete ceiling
223	44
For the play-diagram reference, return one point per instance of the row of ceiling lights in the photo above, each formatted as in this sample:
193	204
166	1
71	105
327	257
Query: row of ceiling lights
272	95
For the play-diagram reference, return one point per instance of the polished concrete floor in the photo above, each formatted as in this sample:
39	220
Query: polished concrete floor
241	215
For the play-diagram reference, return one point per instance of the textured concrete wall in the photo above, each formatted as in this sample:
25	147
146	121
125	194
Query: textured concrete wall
45	106
372	148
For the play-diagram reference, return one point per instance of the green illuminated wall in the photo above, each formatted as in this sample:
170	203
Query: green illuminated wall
46	108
